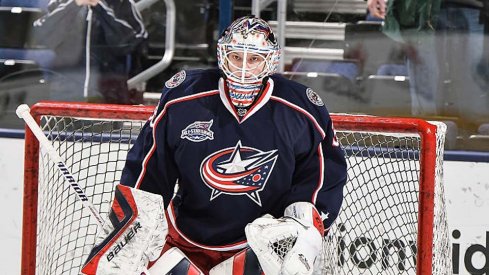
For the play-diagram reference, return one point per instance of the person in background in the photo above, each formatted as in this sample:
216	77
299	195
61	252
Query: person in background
446	60
412	23
101	40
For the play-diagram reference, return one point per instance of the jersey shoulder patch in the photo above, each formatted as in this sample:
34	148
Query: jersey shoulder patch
314	97
176	80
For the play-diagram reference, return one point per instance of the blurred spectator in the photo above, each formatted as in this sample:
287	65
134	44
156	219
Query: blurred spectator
464	57
412	22
445	45
376	10
42	4
110	32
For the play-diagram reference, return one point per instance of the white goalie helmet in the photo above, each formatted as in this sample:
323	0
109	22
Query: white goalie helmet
247	51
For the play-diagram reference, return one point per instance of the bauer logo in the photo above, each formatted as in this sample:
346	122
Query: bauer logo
120	244
198	131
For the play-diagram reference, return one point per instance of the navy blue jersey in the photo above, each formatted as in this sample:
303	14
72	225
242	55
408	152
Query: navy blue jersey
232	169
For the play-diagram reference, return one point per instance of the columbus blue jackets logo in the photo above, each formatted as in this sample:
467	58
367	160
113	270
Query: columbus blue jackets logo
176	80
314	98
238	170
198	131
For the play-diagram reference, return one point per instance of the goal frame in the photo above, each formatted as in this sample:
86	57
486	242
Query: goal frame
426	131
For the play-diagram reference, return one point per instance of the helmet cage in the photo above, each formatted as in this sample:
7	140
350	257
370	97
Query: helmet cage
248	38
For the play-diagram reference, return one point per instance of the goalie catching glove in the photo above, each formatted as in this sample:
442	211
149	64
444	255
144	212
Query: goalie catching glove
134	234
289	245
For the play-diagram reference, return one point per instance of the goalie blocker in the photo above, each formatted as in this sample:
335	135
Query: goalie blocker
134	234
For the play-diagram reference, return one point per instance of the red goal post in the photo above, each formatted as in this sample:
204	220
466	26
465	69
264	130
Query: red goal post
393	218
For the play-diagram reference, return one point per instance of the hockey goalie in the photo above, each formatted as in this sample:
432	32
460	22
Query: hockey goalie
259	171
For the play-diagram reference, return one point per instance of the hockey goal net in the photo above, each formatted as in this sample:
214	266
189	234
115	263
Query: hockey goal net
393	218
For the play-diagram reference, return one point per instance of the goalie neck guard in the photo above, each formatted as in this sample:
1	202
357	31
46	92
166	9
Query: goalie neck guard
247	53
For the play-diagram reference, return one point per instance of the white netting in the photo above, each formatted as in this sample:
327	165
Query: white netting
377	229
442	262
376	232
95	152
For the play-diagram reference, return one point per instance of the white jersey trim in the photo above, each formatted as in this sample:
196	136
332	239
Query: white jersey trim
321	173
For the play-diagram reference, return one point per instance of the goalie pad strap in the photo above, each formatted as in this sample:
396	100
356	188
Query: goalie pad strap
247	262
173	261
244	262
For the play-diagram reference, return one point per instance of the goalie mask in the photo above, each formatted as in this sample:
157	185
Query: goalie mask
247	53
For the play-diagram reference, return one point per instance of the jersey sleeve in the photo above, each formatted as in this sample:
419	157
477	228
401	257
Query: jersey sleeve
149	164
320	167
334	175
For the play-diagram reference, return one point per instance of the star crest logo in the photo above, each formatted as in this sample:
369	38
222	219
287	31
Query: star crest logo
238	170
